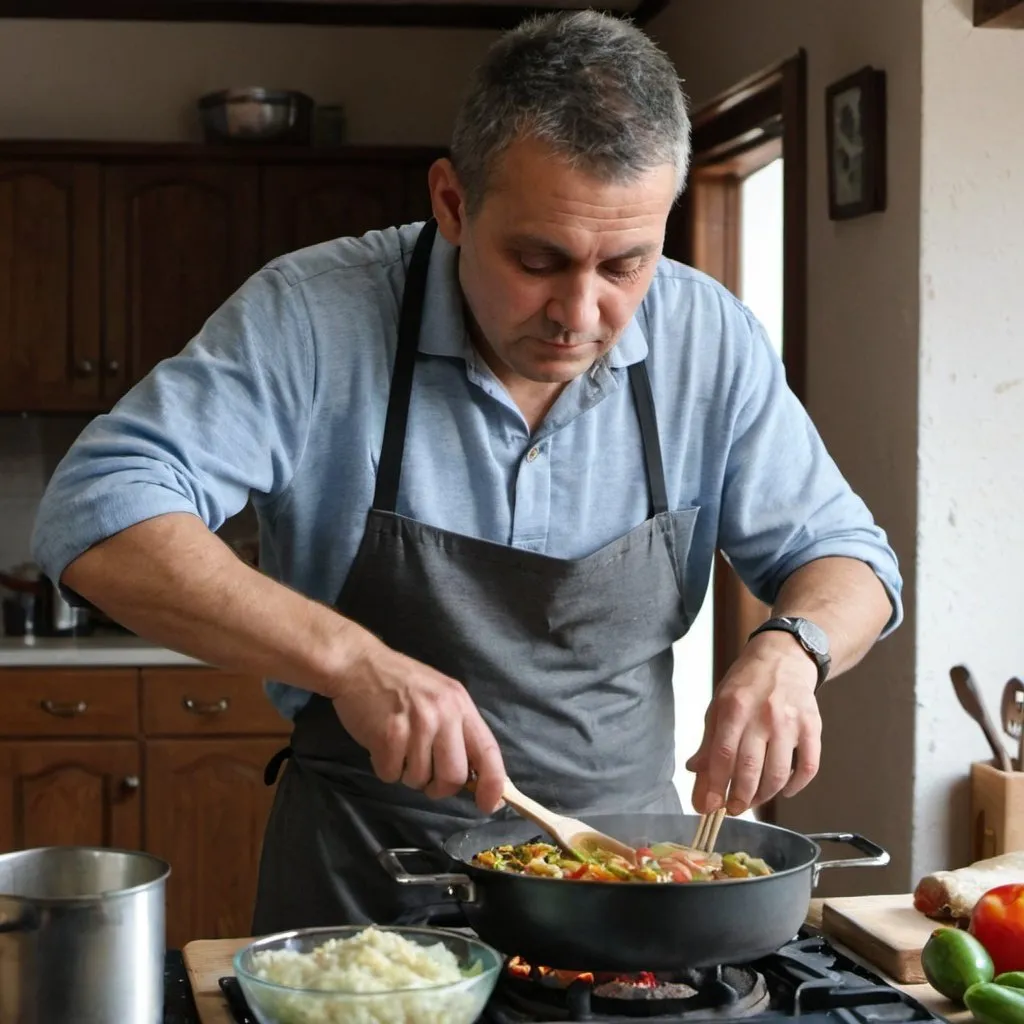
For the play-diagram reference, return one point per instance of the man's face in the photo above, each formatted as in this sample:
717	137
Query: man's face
554	262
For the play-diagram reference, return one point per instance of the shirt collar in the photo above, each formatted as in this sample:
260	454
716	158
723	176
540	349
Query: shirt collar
443	328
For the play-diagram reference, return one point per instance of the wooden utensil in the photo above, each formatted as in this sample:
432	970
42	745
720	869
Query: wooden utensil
568	833
707	831
1011	711
970	700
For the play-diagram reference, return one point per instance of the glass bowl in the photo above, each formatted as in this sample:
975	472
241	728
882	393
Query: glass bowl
455	1002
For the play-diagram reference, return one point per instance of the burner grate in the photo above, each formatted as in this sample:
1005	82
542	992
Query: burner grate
724	993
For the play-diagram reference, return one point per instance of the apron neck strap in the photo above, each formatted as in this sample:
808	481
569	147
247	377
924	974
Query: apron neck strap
643	399
389	469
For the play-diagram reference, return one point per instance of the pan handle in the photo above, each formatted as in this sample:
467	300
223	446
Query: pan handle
459	887
875	857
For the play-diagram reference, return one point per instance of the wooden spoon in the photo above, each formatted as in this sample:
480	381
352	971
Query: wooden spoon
970	700
570	834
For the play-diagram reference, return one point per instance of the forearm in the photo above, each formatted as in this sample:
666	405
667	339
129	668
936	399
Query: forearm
845	598
173	582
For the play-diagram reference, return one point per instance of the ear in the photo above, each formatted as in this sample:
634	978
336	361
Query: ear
447	200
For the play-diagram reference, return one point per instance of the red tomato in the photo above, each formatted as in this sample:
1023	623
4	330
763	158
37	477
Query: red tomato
644	851
998	924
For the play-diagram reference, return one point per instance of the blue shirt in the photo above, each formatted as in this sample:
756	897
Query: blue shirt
282	395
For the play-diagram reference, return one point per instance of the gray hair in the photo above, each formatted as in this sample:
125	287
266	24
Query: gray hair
592	86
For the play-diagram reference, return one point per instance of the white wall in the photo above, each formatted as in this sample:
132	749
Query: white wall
140	80
971	420
862	372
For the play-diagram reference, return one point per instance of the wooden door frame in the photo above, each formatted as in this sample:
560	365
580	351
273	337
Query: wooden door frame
759	118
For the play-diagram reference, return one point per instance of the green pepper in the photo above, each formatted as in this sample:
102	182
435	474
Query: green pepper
995	1004
618	872
733	868
953	960
1013	979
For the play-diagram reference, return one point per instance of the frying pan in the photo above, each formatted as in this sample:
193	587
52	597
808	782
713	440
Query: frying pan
626	926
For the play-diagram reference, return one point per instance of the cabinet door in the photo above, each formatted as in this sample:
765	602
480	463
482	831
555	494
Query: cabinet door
49	286
417	192
206	808
306	205
67	793
180	238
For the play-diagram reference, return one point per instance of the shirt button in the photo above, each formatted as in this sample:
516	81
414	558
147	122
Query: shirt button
532	454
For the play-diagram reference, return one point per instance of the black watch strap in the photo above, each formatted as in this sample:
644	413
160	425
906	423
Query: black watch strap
810	637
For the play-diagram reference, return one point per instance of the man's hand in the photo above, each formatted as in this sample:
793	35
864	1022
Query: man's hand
420	727
762	731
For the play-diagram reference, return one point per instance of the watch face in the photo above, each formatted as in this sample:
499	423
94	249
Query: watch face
813	636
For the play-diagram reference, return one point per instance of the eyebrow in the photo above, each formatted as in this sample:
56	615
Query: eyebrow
544	245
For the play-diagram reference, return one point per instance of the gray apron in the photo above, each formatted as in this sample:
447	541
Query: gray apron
568	660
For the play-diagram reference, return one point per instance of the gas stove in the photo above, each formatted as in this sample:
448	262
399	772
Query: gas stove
807	979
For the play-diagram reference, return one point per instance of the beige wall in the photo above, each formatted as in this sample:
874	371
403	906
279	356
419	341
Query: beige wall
862	374
140	80
971	488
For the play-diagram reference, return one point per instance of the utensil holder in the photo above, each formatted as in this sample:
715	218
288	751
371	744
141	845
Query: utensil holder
997	811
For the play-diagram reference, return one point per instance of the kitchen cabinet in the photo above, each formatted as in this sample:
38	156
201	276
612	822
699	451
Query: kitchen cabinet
113	255
78	792
167	760
179	239
49	284
206	808
306	205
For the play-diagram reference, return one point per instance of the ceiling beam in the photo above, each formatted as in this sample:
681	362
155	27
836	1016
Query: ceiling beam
999	13
364	13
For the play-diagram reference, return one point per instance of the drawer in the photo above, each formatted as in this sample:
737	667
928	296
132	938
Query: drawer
207	702
69	702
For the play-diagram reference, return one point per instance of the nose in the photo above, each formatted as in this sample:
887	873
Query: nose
575	306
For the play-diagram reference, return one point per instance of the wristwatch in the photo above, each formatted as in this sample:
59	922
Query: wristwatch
811	638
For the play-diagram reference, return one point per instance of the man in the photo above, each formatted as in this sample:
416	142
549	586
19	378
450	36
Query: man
492	458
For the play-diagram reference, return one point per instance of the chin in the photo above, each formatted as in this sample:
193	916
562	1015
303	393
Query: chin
555	372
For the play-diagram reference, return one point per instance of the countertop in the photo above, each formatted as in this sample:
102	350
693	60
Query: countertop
101	650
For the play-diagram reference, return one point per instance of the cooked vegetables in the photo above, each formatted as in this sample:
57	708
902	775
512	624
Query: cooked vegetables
662	862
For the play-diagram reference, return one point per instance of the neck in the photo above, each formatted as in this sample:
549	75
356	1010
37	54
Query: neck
533	399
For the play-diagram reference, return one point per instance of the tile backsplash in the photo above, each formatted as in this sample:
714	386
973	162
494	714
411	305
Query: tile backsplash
30	448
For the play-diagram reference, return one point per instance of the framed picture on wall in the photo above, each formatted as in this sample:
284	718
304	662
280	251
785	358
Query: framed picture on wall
855	137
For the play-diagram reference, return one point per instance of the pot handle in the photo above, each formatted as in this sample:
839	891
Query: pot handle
459	887
875	857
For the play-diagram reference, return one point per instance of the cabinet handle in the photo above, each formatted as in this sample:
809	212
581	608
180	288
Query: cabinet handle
68	710
113	368
198	708
85	368
131	782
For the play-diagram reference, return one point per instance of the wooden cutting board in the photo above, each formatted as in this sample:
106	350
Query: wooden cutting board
888	933
885	930
207	961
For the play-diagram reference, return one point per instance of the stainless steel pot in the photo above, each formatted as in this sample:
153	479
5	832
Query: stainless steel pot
82	936
257	115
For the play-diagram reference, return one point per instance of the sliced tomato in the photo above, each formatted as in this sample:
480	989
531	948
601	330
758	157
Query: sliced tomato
644	851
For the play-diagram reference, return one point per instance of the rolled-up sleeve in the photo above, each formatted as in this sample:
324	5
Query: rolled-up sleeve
224	419
785	503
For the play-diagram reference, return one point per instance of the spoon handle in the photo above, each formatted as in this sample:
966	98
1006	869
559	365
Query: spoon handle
529	808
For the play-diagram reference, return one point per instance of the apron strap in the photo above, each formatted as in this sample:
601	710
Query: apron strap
389	469
643	398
